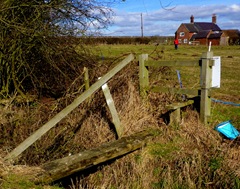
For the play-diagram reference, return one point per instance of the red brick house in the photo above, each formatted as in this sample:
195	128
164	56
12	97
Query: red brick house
199	32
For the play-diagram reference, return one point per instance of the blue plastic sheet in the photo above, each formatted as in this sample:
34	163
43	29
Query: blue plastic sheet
228	130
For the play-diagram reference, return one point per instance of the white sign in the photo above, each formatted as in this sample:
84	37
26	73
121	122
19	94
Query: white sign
216	72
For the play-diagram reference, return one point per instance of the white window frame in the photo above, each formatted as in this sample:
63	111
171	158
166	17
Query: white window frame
185	41
182	34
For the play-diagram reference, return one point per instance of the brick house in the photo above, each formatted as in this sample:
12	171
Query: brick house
199	32
230	37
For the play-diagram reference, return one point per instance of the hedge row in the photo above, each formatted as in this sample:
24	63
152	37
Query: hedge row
128	40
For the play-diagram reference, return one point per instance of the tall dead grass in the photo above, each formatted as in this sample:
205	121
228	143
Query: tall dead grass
191	156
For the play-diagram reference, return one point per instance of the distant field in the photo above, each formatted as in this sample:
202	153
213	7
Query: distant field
230	71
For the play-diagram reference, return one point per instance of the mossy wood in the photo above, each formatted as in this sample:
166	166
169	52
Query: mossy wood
57	118
178	105
175	111
67	166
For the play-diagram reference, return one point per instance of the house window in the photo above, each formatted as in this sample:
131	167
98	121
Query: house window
185	41
180	40
181	34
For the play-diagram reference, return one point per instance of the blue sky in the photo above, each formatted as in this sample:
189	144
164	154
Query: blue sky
163	17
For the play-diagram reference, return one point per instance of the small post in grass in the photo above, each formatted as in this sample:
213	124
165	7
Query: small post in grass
86	78
143	75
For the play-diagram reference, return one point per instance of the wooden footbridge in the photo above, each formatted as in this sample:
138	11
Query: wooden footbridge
69	165
64	167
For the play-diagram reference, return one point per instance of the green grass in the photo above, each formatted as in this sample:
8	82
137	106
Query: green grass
20	182
190	76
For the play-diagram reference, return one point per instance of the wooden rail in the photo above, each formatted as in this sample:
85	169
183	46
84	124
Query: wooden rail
205	62
173	63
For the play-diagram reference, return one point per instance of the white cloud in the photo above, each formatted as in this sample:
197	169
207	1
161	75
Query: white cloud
235	8
165	22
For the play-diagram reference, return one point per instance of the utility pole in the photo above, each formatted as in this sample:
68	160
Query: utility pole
141	25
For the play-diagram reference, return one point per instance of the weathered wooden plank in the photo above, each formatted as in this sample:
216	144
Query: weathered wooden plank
57	118
192	92
67	166
179	105
194	63
113	111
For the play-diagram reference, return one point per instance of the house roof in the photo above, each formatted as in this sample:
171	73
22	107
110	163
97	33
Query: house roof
204	34
191	27
200	35
215	35
207	26
201	26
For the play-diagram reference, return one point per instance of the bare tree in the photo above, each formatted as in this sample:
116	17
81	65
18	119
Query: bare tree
33	39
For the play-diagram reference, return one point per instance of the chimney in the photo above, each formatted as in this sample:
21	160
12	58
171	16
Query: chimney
214	18
192	19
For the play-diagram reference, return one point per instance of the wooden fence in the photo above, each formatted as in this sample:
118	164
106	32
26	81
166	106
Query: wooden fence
205	62
62	114
60	168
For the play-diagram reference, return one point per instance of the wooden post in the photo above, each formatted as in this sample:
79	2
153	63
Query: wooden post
175	117
206	79
143	75
175	111
86	78
112	108
57	118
